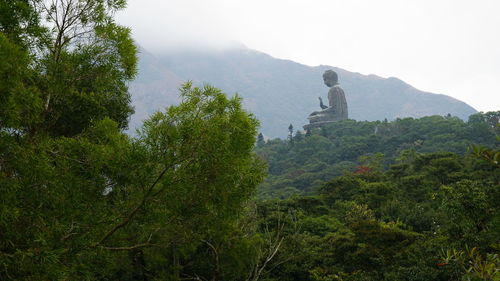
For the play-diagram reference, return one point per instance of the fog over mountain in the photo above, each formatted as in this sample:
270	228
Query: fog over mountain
279	92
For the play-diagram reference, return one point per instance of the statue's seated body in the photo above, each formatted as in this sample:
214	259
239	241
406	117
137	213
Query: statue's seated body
337	109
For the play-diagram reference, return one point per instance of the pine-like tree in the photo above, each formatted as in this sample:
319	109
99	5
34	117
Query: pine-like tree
260	140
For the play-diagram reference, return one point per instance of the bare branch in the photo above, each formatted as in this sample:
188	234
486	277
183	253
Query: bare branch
216	258
128	248
142	245
69	233
134	211
274	241
149	193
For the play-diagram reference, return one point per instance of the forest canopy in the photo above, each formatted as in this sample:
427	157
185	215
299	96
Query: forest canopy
301	163
81	199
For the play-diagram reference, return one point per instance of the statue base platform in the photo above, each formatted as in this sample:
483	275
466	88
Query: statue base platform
317	125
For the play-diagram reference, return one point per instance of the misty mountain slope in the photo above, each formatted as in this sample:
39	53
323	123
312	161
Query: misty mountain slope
154	88
280	92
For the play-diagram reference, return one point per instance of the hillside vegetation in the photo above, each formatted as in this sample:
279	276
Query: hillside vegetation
427	217
301	163
412	199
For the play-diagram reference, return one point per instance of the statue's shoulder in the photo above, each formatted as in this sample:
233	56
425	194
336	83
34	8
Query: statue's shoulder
336	88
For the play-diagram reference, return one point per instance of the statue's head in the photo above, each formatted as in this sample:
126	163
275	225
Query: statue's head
330	77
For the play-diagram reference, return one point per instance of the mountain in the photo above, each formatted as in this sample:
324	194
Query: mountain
154	88
279	92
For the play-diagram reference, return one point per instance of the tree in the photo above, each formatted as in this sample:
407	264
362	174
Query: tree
490	155
64	65
260	140
20	103
298	136
80	198
80	61
20	23
100	197
88	60
205	166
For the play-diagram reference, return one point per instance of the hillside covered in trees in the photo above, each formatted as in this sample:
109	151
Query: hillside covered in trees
303	161
412	199
427	217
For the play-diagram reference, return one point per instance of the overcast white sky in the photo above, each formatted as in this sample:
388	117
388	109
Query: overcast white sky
449	47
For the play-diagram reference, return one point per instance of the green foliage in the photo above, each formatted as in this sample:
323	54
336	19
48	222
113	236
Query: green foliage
490	155
20	22
54	204
205	145
81	200
473	264
20	103
81	206
470	206
395	223
66	63
78	197
349	146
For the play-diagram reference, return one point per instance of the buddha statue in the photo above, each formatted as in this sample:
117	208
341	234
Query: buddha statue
337	105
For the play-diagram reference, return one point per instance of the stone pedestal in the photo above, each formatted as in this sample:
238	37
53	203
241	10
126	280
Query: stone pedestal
318	119
317	125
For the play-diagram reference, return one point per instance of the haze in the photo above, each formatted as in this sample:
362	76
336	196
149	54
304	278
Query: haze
447	47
